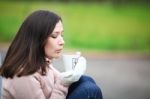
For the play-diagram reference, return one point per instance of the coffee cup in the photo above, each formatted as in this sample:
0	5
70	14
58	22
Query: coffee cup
70	61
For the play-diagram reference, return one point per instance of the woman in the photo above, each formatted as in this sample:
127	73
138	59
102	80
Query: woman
27	69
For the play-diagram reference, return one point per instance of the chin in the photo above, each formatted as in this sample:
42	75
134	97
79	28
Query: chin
57	56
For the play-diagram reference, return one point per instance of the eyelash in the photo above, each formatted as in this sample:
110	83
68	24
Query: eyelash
53	36
56	36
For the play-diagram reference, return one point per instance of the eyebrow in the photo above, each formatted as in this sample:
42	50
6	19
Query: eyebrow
58	32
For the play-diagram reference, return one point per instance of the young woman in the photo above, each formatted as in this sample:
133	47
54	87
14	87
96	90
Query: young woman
27	70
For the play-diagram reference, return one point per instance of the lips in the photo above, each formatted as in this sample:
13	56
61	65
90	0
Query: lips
59	50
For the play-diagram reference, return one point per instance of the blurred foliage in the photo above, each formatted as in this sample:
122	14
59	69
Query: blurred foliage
96	26
115	1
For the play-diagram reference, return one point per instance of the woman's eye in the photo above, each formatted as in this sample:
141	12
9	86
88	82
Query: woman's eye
54	36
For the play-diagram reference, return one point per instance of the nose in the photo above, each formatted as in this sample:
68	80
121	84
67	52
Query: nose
61	41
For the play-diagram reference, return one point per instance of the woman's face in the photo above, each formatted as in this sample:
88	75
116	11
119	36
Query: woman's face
55	42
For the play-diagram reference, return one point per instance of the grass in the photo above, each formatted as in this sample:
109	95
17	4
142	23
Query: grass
87	26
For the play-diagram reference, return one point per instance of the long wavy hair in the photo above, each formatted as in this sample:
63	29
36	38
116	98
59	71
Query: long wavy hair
26	54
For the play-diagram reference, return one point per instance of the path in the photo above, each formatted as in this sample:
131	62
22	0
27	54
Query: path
120	76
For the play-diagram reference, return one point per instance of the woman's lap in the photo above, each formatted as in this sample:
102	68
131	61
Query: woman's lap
85	88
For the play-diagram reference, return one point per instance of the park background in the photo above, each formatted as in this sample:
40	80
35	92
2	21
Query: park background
114	35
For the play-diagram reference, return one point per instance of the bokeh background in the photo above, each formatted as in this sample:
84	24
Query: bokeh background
114	36
102	26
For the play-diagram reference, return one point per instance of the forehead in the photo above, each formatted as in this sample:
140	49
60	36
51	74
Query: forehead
59	26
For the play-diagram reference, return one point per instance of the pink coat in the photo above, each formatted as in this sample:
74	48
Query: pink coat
35	86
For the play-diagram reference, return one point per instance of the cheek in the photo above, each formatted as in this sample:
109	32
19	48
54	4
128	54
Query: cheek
49	52
48	49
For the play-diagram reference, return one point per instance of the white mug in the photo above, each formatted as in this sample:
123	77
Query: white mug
70	61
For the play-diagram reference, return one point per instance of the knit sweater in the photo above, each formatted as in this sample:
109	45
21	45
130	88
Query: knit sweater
35	86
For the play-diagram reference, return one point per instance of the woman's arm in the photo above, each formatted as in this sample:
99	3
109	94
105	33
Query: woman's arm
6	94
22	88
60	90
52	86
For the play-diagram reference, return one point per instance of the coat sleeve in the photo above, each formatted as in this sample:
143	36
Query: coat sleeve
60	91
6	94
34	87
22	88
56	91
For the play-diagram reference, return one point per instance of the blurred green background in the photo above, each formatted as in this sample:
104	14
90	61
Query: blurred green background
94	26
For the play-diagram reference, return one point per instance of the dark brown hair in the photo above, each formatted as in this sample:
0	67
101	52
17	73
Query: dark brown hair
26	55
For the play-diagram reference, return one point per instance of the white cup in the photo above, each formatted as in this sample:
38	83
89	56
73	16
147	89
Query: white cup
70	61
